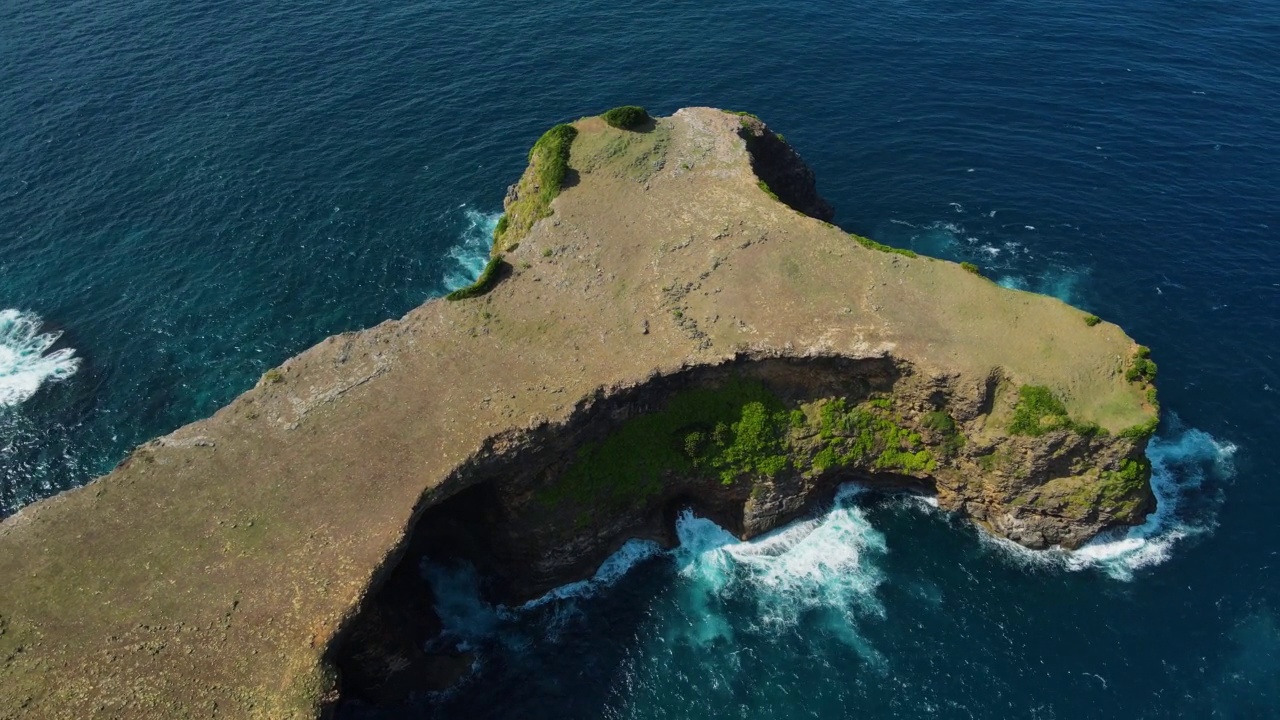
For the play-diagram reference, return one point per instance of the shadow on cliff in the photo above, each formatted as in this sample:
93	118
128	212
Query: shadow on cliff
497	519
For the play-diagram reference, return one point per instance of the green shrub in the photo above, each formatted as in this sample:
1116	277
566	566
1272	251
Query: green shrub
1092	320
1141	431
1037	412
971	268
626	117
738	430
1141	368
868	435
273	376
873	245
501	228
483	284
940	421
551	156
1119	485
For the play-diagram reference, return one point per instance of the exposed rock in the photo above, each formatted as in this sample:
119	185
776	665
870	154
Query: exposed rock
235	567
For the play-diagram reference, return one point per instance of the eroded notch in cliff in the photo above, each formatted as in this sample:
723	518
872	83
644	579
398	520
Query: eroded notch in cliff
782	172
751	444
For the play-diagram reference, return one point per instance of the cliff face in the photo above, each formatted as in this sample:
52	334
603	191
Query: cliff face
678	326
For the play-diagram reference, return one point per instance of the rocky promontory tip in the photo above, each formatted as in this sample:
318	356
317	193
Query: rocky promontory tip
670	321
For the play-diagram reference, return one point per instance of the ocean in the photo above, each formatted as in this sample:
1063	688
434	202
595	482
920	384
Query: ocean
191	193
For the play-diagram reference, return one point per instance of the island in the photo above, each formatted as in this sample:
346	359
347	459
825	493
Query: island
669	320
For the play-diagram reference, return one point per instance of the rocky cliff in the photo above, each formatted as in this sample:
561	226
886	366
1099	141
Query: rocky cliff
669	320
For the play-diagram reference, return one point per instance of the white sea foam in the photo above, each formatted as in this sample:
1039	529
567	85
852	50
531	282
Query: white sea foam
468	257
25	360
1014	282
610	571
820	568
823	569
1180	465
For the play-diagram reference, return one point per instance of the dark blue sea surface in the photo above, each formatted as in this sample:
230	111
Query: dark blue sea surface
192	192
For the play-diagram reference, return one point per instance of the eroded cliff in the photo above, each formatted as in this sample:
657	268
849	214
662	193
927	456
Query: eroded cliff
669	327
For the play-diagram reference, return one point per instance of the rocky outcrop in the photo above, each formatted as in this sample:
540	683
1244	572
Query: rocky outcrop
676	327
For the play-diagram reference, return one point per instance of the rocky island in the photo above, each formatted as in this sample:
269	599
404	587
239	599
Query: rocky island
669	320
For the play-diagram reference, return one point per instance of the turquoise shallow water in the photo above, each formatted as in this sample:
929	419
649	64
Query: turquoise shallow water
190	194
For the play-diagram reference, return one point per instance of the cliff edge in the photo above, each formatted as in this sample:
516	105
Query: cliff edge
668	320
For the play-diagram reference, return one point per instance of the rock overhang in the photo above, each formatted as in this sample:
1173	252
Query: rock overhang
221	564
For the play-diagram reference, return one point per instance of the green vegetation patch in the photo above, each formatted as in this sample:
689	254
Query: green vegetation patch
541	182
1039	411
738	430
1141	367
873	245
767	190
726	432
273	376
483	284
868	435
626	117
501	228
941	422
620	153
1141	431
1092	320
970	267
1120	491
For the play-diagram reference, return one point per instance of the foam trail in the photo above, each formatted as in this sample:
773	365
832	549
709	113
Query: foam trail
24	364
611	570
469	256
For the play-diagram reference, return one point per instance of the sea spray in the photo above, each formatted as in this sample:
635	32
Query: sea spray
466	617
466	259
25	360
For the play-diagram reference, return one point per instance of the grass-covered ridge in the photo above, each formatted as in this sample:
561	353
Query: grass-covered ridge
626	117
740	431
873	245
483	284
540	184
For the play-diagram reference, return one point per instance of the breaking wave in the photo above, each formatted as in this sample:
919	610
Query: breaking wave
1184	463
1180	466
465	260
818	570
25	360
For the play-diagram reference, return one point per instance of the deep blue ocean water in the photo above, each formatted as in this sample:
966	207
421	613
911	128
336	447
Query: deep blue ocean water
190	193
